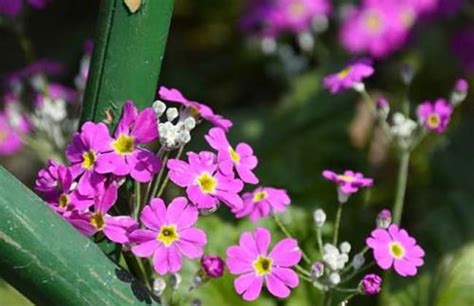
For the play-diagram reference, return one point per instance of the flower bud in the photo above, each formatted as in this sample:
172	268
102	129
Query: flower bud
384	219
407	74
358	261
175	281
370	284
159	286
460	92
359	87
383	108
342	197
335	278
345	247
319	217
213	266
159	108
172	113
317	270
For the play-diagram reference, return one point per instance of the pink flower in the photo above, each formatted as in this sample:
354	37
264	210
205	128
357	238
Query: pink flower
116	228
371	284
254	265
87	155
350	182
14	7
262	202
242	158
394	247
169	234
57	186
378	27
205	185
196	108
346	78
124	153
435	116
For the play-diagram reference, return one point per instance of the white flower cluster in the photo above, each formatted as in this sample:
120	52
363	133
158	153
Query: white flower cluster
403	129
176	131
336	258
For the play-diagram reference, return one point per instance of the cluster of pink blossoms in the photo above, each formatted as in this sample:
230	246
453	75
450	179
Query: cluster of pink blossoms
268	18
14	7
85	194
379	28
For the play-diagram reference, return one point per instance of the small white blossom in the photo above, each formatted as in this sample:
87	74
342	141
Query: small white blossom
403	129
159	108
333	258
345	247
172	113
358	261
335	278
359	87
159	286
319	217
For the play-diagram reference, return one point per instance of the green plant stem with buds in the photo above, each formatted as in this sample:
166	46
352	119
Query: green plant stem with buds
401	187
337	224
319	238
373	109
138	200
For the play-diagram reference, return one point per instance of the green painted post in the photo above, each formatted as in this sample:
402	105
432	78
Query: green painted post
129	49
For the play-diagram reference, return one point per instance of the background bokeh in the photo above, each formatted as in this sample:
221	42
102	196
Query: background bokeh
298	129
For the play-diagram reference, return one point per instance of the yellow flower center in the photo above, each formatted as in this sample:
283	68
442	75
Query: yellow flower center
3	136
407	18
207	183
343	73
124	145
97	220
88	159
260	196
297	9
397	250
234	156
263	265
433	120
347	178
373	22
64	200
168	234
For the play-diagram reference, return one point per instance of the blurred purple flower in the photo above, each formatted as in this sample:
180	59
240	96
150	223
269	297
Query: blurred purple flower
14	7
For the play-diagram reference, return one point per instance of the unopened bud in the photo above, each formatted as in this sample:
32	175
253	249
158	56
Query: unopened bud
345	247
175	281
342	197
359	87
213	266
383	108
384	219
171	114
460	92
317	270
370	284
407	73
358	261
159	286
335	278
319	217
159	108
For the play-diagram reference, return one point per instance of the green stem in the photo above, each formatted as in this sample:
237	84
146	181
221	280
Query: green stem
373	109
320	240
157	181
327	299
138	200
337	224
288	234
349	297
401	187
167	178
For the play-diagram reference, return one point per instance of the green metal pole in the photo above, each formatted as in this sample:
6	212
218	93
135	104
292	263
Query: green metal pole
129	49
49	261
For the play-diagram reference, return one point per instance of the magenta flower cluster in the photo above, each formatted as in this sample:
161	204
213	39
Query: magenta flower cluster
379	28
268	18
